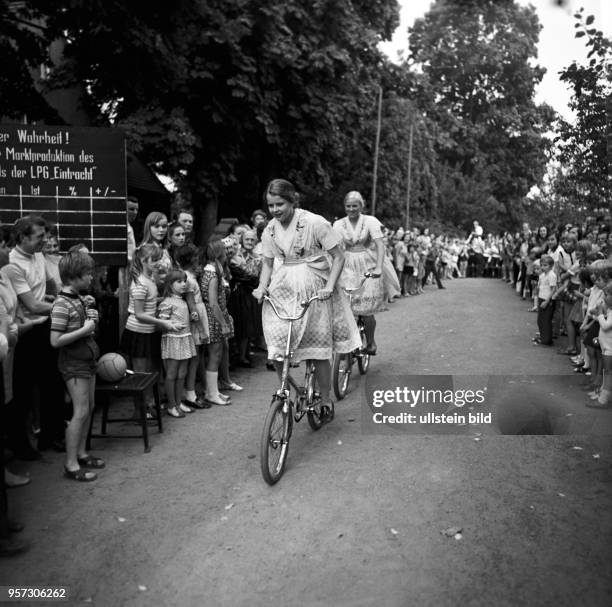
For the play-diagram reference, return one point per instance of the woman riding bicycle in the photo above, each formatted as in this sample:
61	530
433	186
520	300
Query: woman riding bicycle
365	252
300	242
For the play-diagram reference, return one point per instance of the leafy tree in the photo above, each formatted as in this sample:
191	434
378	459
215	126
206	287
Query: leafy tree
478	87
22	52
221	95
582	145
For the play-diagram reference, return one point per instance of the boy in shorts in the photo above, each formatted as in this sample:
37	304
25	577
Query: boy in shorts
72	328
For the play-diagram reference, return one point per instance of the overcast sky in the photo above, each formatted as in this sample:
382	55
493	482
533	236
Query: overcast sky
557	47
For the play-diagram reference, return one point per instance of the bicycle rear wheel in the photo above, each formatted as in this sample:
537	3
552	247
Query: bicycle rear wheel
275	441
341	372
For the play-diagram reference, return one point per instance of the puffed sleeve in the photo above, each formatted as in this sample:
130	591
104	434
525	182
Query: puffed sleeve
267	244
325	234
374	227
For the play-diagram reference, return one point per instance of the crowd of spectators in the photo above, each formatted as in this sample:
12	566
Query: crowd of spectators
191	315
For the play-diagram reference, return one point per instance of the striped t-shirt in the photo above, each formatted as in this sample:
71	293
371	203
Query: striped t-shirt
143	289
68	313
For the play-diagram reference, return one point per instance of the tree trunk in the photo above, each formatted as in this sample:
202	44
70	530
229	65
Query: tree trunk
205	210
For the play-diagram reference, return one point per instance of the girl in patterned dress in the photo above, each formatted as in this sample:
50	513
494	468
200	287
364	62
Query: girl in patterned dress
177	346
187	259
302	243
364	252
220	324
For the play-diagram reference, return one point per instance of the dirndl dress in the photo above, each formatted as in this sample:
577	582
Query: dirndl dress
359	258
302	270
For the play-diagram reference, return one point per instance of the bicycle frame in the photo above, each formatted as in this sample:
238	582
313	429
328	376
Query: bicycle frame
286	379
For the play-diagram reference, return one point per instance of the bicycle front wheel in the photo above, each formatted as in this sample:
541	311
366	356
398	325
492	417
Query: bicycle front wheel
363	360
275	441
341	372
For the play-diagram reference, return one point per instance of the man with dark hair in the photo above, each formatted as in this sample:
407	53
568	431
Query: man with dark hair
36	378
185	218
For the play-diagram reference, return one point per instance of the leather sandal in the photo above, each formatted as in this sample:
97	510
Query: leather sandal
83	476
327	412
89	461
195	404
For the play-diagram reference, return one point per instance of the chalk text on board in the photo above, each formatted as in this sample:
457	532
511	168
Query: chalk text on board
32	136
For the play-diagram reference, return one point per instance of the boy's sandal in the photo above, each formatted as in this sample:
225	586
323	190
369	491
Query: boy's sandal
83	476
185	408
91	462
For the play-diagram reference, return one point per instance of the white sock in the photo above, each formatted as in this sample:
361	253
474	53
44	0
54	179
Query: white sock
212	389
190	395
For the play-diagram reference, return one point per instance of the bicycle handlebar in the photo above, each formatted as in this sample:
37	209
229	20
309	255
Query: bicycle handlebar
351	290
304	305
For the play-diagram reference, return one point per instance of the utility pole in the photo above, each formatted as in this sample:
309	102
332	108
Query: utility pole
375	176
409	176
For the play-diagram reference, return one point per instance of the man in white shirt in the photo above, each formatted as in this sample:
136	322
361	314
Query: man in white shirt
36	378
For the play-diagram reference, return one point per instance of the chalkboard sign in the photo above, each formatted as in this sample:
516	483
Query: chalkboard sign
74	177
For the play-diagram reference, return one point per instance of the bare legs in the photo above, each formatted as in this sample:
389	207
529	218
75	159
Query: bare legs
81	392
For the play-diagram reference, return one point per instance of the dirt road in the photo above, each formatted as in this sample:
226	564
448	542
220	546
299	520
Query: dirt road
358	517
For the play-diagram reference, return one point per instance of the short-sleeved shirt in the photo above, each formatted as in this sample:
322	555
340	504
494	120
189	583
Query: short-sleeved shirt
143	289
68	313
28	273
547	283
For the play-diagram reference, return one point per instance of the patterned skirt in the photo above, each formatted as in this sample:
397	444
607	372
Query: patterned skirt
177	347
391	283
327	327
369	299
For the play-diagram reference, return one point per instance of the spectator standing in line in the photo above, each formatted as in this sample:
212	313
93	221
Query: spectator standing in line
185	218
9	545
431	268
28	274
547	284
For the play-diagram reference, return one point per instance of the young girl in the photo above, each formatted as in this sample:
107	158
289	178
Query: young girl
187	258
219	321
589	328
140	340
176	239
155	232
177	345
604	318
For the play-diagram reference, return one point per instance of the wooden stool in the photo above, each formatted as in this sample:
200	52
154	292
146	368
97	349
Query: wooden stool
133	385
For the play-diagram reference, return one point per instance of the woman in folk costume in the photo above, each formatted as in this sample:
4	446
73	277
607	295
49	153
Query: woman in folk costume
302	244
364	252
